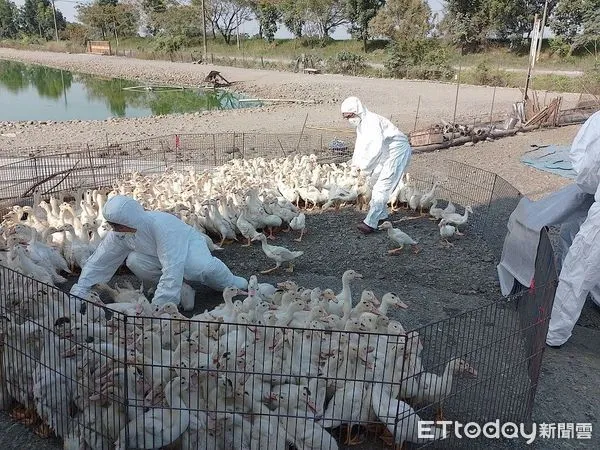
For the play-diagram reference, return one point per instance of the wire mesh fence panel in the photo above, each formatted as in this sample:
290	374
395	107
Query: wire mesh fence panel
16	176
45	150
54	364
490	198
48	174
503	201
136	375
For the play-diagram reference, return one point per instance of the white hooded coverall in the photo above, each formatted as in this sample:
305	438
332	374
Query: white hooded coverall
580	271
163	250
382	153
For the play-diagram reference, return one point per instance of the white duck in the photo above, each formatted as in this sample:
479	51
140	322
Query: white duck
76	251
30	268
435	388
277	254
299	223
447	231
342	306
158	427
399	237
246	228
390	299
227	312
450	208
123	295
426	200
458	219
398	417
435	212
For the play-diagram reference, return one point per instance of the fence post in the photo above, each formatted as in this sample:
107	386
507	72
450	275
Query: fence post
92	167
126	390
243	145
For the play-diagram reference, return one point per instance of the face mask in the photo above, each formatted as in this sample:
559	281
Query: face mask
354	121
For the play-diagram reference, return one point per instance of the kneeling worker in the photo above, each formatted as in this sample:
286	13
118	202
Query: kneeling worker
158	248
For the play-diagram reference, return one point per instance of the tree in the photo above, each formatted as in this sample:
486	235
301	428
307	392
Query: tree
152	9
590	36
37	18
109	18
360	13
567	19
570	17
76	32
467	23
404	20
183	21
268	14
293	16
227	15
513	19
8	19
326	15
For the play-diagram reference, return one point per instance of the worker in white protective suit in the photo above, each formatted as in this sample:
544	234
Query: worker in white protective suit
382	153
158	248
580	273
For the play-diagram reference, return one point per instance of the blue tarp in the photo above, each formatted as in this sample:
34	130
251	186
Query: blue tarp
552	158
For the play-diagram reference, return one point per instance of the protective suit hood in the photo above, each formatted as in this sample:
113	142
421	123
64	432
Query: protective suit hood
353	105
124	211
585	155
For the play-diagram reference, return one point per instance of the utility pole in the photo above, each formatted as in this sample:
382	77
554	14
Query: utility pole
54	15
535	34
204	49
539	47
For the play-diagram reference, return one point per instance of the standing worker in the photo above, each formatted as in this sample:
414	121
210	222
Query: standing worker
382	153
580	273
158	248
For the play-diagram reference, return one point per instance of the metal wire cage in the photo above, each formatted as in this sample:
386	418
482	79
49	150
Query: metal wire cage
113	376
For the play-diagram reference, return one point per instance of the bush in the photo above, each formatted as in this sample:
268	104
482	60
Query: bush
422	59
591	80
559	47
346	63
170	44
316	41
75	32
485	75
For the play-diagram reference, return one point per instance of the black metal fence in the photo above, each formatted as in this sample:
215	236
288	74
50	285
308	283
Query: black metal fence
490	196
118	376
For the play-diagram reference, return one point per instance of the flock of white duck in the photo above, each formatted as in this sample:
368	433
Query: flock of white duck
266	370
234	202
282	366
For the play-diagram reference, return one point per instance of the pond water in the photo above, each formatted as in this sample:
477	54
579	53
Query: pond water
32	92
